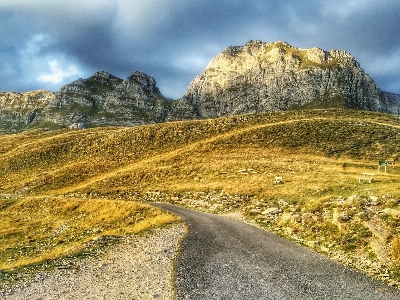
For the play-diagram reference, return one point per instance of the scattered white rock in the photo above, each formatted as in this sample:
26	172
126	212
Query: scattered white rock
352	198
373	198
313	244
272	211
282	202
343	218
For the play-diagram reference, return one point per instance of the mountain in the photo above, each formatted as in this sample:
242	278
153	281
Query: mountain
276	76
104	99
256	77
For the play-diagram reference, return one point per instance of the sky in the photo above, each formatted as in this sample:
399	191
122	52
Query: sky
45	44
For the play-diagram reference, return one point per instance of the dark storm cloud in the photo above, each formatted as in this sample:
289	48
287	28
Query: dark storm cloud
45	44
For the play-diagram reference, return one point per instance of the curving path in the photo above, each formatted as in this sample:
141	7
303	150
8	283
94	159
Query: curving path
222	258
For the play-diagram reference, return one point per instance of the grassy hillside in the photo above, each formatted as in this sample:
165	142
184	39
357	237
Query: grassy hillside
38	233
227	165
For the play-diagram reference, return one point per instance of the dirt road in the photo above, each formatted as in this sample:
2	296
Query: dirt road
222	258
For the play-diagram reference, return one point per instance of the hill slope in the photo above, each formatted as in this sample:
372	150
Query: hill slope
227	165
61	158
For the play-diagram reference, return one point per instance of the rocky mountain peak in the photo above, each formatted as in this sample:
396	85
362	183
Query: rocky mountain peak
263	55
95	84
24	101
277	76
104	78
143	81
104	99
103	74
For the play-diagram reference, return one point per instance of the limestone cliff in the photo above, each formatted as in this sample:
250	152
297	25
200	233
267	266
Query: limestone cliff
20	109
276	76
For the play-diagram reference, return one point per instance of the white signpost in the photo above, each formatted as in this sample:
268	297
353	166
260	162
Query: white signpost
382	164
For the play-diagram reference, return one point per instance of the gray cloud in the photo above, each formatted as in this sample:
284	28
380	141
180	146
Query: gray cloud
46	44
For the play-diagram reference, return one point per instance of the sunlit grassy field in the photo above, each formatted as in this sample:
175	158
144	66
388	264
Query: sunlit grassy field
38	229
222	165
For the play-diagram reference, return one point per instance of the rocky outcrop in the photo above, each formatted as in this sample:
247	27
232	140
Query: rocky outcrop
99	100
20	109
276	76
390	103
104	99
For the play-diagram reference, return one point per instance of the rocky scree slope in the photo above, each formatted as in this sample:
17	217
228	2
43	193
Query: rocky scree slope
256	77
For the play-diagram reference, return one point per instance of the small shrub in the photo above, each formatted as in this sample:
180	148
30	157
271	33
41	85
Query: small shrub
396	248
355	237
372	255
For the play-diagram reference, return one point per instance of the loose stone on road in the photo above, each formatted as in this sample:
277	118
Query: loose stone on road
222	258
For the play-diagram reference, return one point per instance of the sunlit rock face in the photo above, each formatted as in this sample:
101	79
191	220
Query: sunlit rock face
20	109
276	76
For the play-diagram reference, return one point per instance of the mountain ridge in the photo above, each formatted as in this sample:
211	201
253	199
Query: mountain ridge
277	76
256	77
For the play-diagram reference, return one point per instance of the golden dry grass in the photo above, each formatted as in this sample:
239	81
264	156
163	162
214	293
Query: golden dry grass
37	229
396	248
76	160
222	165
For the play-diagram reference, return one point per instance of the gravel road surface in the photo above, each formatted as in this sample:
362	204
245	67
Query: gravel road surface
139	267
222	258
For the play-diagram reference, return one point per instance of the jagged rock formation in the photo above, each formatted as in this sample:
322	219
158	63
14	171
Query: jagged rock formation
276	76
256	77
390	103
104	99
20	109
